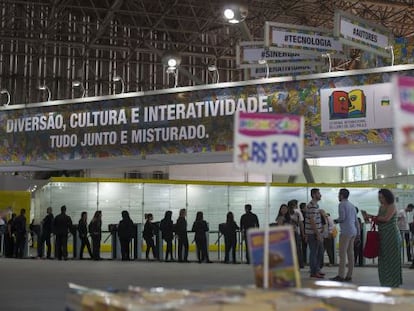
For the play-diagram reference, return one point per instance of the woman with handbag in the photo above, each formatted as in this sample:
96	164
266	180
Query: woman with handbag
389	258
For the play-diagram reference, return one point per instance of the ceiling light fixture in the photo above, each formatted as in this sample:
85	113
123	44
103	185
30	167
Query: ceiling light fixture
119	79
77	83
172	61
264	62
45	88
4	91
235	13
391	49
328	56
213	68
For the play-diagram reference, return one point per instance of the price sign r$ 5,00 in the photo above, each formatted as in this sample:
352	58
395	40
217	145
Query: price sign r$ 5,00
276	152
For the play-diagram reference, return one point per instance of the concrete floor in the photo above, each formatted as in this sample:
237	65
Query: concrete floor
34	284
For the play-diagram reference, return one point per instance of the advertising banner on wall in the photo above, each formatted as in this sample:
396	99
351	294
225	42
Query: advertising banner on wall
302	39
268	143
404	121
356	108
362	34
187	120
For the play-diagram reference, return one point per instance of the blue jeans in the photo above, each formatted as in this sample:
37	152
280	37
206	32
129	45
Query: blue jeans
315	252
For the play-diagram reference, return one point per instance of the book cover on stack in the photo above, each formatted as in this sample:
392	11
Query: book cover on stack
283	265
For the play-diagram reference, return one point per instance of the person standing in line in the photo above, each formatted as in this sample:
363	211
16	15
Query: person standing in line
62	225
283	216
181	231
402	222
248	220
329	239
95	230
313	231
348	223
148	235
125	234
32	233
200	228
46	232
21	233
325	234
302	208
296	220
3	229
389	258
9	242
167	231
83	235
230	237
359	243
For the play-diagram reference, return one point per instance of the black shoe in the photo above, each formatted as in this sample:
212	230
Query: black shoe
348	279
411	267
337	278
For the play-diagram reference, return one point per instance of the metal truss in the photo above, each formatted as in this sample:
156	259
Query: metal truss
56	42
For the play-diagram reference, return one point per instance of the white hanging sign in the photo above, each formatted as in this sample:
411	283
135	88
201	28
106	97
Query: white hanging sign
249	53
362	34
303	39
403	94
268	143
289	68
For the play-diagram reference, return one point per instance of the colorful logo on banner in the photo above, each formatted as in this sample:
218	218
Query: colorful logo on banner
343	105
268	143
404	121
356	107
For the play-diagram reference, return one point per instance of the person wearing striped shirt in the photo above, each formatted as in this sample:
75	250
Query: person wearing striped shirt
313	232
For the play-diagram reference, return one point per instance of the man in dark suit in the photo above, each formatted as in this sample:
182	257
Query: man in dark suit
248	220
20	230
62	226
47	228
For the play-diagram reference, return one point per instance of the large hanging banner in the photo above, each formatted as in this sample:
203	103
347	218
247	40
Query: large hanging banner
403	95
362	34
190	120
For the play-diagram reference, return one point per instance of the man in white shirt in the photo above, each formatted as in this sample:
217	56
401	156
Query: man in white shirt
402	222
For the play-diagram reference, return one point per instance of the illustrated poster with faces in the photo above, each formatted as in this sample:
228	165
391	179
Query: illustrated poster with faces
358	107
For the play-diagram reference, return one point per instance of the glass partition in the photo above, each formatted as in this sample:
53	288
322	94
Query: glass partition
212	200
159	198
215	200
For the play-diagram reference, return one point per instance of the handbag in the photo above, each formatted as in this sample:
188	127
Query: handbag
372	244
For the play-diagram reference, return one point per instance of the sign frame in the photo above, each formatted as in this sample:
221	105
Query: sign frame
336	53
363	23
259	45
317	66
